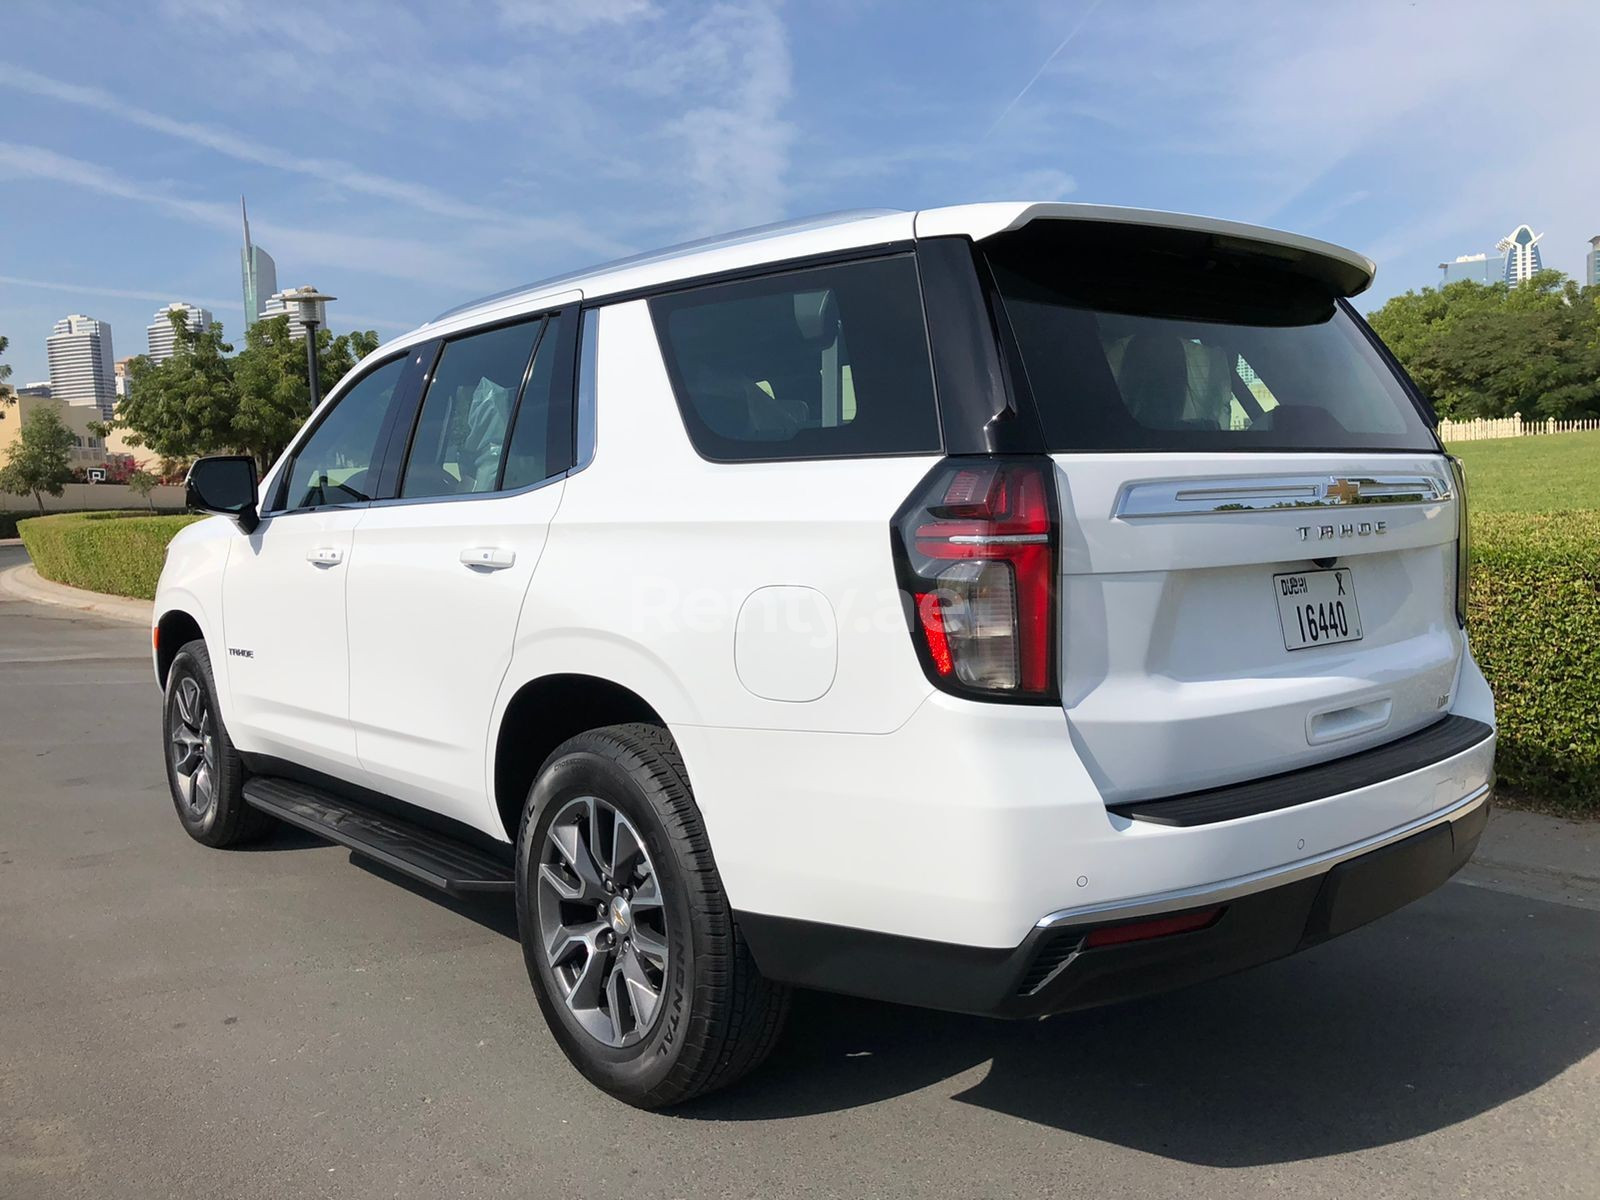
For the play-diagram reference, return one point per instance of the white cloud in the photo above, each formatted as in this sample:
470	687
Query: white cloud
734	145
111	293
572	16
341	175
685	103
1077	28
311	27
211	302
1463	117
394	257
1046	183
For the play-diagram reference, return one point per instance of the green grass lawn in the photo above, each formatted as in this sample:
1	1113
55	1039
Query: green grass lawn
1554	472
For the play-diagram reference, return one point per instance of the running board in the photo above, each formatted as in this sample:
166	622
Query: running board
435	859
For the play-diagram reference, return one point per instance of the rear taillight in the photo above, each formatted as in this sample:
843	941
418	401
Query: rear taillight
975	547
1463	540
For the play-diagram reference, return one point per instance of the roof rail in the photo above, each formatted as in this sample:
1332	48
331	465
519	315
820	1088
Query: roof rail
682	249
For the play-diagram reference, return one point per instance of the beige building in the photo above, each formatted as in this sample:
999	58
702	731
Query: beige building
90	450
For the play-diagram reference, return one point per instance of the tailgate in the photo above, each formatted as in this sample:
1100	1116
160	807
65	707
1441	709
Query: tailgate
1185	665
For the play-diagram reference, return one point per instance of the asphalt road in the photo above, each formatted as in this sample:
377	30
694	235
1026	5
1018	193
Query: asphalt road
284	1022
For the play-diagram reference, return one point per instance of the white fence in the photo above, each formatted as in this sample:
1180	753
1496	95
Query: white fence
76	496
1504	427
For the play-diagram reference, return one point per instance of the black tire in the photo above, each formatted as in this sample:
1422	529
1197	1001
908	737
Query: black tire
716	1018
223	818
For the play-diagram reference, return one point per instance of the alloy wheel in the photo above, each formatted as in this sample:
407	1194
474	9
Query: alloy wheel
193	746
602	921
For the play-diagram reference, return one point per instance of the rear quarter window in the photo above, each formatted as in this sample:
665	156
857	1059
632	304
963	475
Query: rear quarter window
825	362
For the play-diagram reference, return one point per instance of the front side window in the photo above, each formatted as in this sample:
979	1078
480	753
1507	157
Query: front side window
827	362
337	463
460	438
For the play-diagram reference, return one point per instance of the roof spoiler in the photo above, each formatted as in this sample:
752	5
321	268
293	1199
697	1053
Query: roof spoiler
1345	272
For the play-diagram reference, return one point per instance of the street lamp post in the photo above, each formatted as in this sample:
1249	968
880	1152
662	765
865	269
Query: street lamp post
305	301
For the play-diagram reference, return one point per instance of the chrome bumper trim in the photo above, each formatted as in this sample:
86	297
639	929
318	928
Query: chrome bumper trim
1259	881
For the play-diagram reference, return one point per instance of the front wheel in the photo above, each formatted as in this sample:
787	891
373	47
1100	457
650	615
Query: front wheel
203	769
633	952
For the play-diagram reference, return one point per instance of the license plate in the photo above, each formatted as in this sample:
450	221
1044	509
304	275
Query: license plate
1317	608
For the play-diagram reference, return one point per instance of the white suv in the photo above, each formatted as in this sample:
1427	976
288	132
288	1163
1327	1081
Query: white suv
1004	608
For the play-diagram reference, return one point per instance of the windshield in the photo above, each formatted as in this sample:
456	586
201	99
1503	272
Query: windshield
1142	339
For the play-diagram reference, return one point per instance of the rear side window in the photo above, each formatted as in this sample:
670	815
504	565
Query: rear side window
461	434
829	362
1141	339
541	443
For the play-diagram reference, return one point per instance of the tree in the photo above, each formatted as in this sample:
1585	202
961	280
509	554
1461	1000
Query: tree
274	395
185	405
40	462
1490	350
200	401
142	484
8	394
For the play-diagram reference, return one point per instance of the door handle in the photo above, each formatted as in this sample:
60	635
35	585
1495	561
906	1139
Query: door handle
325	556
493	558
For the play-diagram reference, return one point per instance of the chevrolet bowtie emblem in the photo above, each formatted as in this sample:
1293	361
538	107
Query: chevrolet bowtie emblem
1342	491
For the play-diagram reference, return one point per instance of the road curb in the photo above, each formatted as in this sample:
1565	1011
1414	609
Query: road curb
24	583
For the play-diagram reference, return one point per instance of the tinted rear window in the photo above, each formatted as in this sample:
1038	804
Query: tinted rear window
830	362
1138	339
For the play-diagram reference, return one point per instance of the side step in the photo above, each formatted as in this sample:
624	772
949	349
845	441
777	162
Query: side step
432	858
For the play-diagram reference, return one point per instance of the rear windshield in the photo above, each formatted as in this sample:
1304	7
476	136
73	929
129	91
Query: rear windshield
1149	339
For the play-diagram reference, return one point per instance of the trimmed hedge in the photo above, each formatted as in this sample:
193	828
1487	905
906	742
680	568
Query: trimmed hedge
1534	620
9	519
116	552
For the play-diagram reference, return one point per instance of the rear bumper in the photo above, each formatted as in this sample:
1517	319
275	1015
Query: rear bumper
1263	917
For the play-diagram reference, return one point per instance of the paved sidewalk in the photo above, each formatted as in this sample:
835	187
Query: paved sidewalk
25	583
1546	858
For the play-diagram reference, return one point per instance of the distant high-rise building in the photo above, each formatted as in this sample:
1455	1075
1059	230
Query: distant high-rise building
124	377
1521	248
40	389
159	332
1592	261
1479	268
282	305
81	370
259	271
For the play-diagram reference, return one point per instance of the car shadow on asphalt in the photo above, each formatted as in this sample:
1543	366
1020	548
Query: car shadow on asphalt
1466	1000
495	912
281	836
1457	1004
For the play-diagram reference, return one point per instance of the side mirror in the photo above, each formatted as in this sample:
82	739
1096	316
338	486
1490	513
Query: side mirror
224	484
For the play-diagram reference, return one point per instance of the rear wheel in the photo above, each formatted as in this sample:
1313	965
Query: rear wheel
629	941
203	769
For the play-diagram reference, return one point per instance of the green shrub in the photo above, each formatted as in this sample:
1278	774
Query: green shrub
8	519
1534	617
117	552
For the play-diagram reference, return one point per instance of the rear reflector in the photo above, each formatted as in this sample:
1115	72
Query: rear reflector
1140	931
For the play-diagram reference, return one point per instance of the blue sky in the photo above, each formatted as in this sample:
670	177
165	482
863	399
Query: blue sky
408	157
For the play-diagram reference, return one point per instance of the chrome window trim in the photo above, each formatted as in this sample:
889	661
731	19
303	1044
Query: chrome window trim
1260	493
467	497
